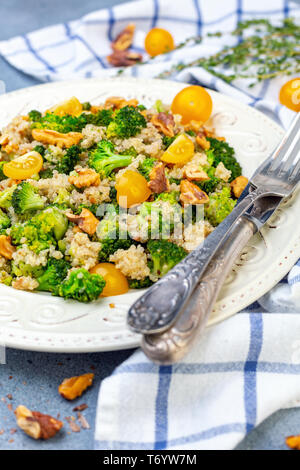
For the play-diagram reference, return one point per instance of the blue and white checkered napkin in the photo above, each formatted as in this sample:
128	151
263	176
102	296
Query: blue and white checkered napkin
244	368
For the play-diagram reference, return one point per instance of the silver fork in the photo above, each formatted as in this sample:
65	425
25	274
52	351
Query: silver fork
284	172
275	179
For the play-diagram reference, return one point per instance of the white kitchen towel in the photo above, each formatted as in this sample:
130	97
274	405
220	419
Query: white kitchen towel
245	368
79	48
240	372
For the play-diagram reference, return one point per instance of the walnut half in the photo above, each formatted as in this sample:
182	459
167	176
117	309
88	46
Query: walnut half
164	123
35	424
158	181
238	185
75	386
86	220
85	178
191	194
124	39
124	58
47	136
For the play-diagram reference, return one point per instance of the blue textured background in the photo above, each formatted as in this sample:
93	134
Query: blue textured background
32	378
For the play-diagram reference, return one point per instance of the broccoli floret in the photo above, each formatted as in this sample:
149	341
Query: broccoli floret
219	206
110	235
222	152
108	227
164	255
56	271
68	123
35	115
40	149
102	118
6	197
46	174
41	231
82	286
26	198
156	220
174	180
86	106
113	194
2	175
146	166
140	284
167	141
69	160
62	199
210	185
22	269
5	221
108	247
131	151
191	133
92	208
5	278
127	122
104	160
172	197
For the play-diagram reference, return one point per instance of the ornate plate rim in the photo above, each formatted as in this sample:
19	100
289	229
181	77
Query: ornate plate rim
89	342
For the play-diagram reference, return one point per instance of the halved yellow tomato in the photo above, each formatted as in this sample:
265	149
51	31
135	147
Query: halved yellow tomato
132	188
71	106
193	103
180	151
116	282
24	167
289	94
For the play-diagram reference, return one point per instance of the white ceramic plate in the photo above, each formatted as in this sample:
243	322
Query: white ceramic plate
41	322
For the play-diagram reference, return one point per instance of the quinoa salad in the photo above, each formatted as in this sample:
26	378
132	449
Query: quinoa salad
97	200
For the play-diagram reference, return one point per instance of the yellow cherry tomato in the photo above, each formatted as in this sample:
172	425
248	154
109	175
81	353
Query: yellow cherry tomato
289	94
180	151
132	188
158	41
193	103
71	106
116	282
24	167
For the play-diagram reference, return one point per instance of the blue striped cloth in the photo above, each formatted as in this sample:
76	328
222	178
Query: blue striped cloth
245	368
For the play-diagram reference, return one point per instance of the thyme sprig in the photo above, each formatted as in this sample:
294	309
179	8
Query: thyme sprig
263	51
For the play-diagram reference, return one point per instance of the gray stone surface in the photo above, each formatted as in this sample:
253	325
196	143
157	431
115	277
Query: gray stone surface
32	378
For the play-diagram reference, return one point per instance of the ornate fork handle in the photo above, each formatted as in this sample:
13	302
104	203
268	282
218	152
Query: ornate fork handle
171	345
159	307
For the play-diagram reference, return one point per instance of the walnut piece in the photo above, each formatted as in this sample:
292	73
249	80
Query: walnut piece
158	181
75	386
124	58
86	221
36	424
293	442
6	248
118	102
165	123
124	39
194	126
202	141
194	172
191	194
47	136
85	177
238	185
